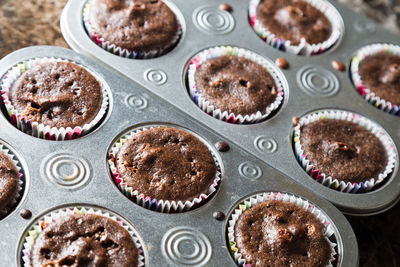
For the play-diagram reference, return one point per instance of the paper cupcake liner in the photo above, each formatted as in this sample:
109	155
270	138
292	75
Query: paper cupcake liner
52	216
119	51
358	83
347	187
250	201
160	205
13	203
303	48
205	105
35	128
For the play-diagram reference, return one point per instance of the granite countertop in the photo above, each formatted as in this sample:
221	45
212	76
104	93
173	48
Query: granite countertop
36	22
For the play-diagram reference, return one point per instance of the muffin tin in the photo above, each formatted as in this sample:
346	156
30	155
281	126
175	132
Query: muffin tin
75	173
313	84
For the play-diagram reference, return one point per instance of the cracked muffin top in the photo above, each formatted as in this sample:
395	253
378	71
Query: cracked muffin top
57	94
278	233
166	163
84	240
293	20
143	25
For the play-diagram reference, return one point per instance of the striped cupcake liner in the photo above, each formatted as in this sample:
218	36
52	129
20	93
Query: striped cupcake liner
383	104
13	203
51	217
284	197
217	113
119	51
326	179
303	48
160	205
40	130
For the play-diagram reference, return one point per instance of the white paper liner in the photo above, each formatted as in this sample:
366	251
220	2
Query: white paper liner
52	216
303	48
119	51
161	205
40	130
250	201
13	203
368	94
327	180
205	105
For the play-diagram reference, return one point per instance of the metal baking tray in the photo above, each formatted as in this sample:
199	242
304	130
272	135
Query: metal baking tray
171	239
205	25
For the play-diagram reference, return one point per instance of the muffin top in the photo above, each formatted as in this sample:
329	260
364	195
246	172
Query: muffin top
343	149
166	163
84	240
57	94
293	20
235	84
143	25
8	181
381	74
277	233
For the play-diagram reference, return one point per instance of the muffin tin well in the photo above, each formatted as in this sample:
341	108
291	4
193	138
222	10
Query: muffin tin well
116	50
330	232
41	130
23	176
38	224
281	85
313	84
193	238
155	204
369	185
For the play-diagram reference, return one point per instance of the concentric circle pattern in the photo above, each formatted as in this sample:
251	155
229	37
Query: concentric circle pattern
185	246
250	170
67	170
315	80
137	102
265	145
155	76
213	20
363	26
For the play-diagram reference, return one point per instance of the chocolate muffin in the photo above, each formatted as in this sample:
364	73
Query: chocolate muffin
84	240
8	181
235	84
293	20
57	94
166	164
140	26
381	74
277	233
344	150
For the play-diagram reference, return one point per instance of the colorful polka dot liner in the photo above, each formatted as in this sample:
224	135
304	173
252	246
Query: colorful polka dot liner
383	104
40	130
217	113
326	179
285	197
303	48
53	216
160	205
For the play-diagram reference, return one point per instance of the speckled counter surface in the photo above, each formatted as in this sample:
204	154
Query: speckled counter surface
36	22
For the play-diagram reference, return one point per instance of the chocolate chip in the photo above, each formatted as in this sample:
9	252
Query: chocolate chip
226	7
222	146
282	63
218	215
26	214
295	120
338	65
